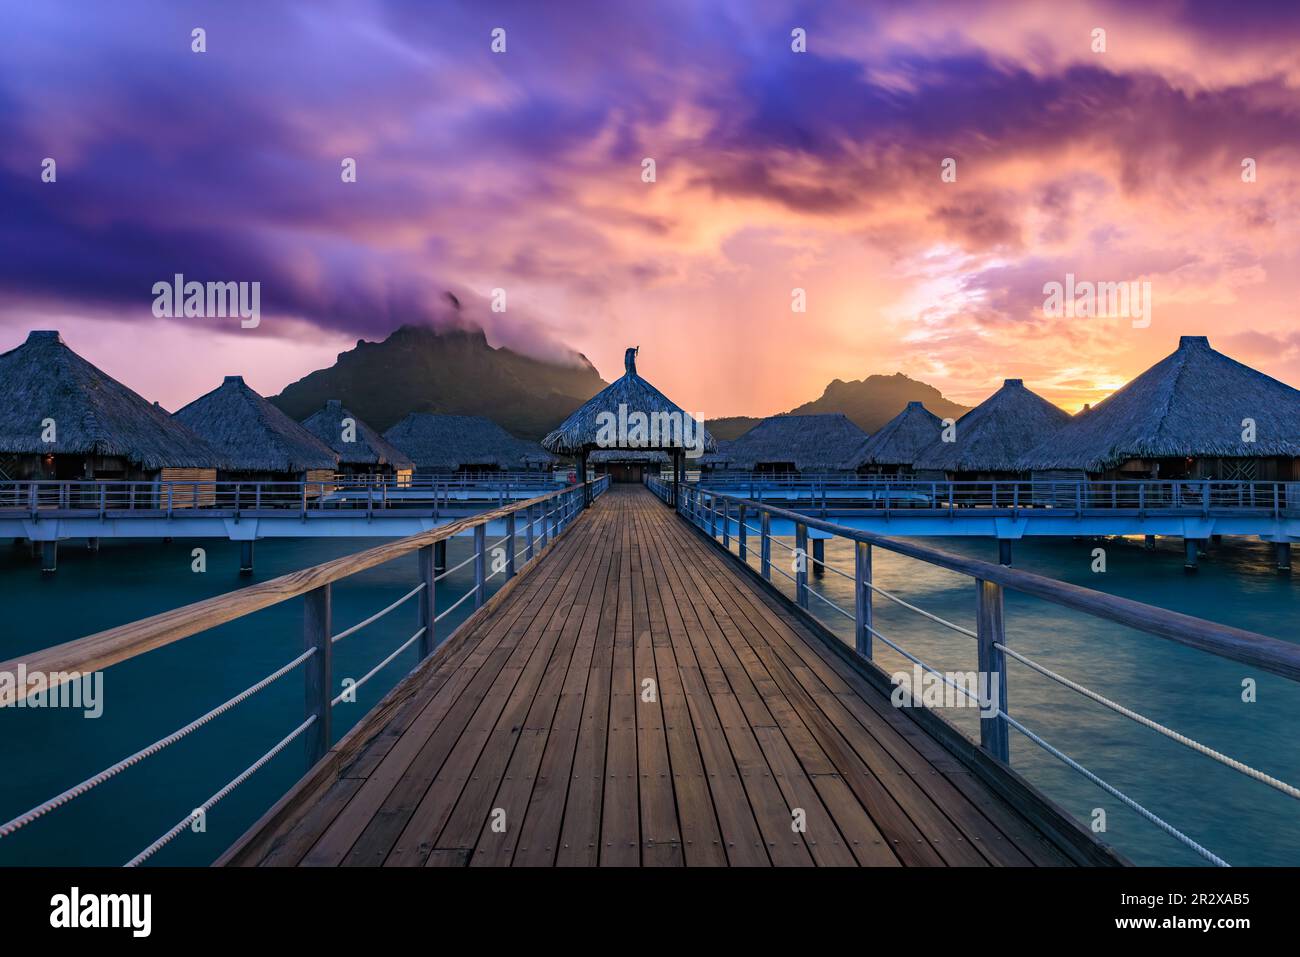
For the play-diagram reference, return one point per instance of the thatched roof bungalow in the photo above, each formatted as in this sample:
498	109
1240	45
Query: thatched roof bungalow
361	450
895	447
256	440
96	427
797	443
630	413
989	440
628	465
463	443
1194	414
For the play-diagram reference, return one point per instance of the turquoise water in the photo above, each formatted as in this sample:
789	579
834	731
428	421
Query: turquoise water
44	752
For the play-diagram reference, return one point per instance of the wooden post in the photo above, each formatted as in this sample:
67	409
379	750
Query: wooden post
49	556
317	670
510	545
528	535
1004	551
582	478
1283	550
765	546
428	600
1189	554
819	553
246	557
713	515
726	524
544	521
863	612
480	563
991	629
440	557
801	571
742	533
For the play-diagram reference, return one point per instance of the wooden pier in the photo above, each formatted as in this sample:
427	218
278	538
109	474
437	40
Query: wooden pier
639	699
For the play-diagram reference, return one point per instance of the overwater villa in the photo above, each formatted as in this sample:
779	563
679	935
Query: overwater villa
1196	414
630	414
785	444
258	442
440	444
362	451
989	440
893	450
64	419
628	465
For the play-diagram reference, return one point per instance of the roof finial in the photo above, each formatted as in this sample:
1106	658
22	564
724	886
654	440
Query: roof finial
629	359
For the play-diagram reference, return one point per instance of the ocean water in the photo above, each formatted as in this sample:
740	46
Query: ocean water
42	752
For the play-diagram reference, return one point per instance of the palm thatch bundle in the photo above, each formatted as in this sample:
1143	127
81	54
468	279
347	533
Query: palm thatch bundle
252	434
447	443
368	446
900	439
820	443
1191	404
93	413
994	435
627	396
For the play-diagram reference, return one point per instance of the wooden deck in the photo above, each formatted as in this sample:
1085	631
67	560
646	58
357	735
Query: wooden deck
533	719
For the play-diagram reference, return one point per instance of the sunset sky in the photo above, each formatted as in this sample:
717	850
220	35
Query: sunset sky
775	170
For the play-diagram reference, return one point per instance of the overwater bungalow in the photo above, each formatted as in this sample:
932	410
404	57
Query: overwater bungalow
258	442
628	465
785	444
64	419
440	444
1196	414
630	414
893	450
362	451
989	440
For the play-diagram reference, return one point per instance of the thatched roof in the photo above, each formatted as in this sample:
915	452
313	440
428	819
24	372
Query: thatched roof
810	442
93	413
720	459
368	446
582	429
252	434
1189	404
453	441
994	435
900	439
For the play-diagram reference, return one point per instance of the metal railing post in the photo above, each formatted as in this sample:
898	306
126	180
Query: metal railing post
801	567
528	536
428	600
991	631
726	524
318	675
765	546
742	543
480	563
862	618
510	545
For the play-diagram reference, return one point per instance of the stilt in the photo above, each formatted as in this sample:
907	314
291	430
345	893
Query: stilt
440	557
1217	540
1283	550
819	557
36	548
92	544
246	558
1004	551
1190	553
1149	542
49	556
1202	546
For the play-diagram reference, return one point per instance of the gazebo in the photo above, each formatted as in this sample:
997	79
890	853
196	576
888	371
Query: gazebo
630	414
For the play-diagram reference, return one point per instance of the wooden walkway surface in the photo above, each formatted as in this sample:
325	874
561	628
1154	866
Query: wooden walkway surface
636	700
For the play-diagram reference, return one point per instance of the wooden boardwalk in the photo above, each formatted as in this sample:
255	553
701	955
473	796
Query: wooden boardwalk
635	699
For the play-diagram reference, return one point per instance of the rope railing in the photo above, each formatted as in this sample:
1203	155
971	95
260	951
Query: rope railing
706	508
314	585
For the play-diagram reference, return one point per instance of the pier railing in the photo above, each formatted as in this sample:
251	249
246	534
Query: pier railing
346	494
872	493
537	522
737	524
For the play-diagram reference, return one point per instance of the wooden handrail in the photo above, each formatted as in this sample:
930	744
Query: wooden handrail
1236	644
103	649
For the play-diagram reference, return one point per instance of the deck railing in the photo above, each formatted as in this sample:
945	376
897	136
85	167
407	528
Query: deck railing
345	494
727	521
1201	497
545	517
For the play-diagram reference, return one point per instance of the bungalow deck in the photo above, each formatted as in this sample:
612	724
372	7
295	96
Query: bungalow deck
637	699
